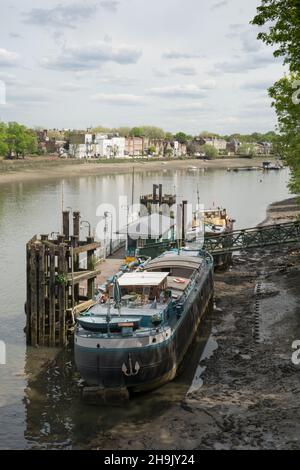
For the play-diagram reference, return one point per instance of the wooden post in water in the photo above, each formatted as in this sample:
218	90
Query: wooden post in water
76	224
90	267
53	286
28	296
41	294
62	274
33	297
66	224
51	297
76	235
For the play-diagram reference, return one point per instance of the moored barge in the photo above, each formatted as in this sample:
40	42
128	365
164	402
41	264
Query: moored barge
136	335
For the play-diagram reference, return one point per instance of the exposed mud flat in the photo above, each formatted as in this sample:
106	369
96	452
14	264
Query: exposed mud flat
38	168
248	389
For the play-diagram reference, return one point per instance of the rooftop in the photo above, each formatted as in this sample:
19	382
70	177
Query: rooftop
145	278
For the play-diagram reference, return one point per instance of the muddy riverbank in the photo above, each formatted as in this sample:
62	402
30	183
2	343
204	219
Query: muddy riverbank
250	393
38	168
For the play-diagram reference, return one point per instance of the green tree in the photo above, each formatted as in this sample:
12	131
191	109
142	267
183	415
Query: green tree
20	140
208	134
169	136
3	142
101	129
122	131
287	105
281	20
192	148
153	132
248	148
152	150
136	132
209	151
182	138
168	152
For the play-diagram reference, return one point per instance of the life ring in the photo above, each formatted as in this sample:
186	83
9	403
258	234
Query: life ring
179	280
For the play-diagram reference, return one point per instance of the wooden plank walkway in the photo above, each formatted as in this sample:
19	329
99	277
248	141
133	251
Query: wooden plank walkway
111	266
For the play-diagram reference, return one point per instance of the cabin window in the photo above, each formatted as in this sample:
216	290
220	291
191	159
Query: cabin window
127	331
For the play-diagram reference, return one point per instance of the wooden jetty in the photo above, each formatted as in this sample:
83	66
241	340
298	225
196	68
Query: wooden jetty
53	280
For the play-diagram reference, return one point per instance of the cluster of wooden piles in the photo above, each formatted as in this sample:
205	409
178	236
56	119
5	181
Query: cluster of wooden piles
53	280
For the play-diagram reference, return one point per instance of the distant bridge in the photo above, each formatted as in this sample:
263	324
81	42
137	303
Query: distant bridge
245	239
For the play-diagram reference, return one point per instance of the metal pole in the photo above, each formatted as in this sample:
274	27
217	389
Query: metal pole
105	231
132	189
72	267
127	229
111	232
62	204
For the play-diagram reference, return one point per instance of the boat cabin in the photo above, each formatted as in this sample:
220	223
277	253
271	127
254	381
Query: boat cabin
145	286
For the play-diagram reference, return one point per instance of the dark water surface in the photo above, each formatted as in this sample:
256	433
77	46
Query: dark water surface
40	403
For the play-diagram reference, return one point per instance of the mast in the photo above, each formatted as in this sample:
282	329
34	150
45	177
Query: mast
62	203
132	188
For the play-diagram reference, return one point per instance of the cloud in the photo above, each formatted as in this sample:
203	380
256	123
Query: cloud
30	95
184	70
249	41
67	16
71	87
15	35
92	55
208	84
60	16
181	55
259	103
117	80
194	107
178	91
218	5
251	61
8	58
160	73
109	5
119	99
259	85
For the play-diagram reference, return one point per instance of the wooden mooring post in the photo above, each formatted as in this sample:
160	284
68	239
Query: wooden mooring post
53	278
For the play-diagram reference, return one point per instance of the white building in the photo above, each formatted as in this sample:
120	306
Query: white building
98	145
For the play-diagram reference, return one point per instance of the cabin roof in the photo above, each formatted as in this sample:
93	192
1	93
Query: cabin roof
174	261
152	279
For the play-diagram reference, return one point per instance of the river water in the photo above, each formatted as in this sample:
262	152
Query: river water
40	403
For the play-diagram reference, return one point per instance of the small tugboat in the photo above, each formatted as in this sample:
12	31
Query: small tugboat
137	333
216	222
267	166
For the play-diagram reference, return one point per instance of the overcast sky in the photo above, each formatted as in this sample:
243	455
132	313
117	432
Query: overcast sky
188	65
